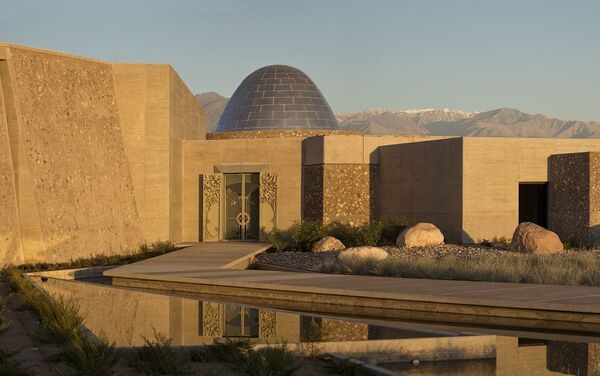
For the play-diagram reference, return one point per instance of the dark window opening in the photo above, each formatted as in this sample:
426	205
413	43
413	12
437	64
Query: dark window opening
533	203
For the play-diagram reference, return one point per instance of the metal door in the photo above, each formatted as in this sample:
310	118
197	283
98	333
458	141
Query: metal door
242	206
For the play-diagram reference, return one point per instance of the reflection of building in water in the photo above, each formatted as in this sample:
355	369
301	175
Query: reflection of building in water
125	316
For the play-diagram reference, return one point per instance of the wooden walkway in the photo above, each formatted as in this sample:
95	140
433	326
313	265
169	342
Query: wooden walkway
205	269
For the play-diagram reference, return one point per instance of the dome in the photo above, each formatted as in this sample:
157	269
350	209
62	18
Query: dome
277	97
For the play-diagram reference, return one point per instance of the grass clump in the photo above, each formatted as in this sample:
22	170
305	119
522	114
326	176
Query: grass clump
271	361
158	357
302	235
9	366
145	251
90	356
61	322
240	355
572	268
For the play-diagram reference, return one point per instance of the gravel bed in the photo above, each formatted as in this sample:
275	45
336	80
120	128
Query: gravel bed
314	261
299	260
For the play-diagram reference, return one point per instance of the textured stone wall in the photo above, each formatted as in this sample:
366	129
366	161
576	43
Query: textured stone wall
330	330
10	238
574	197
568	196
90	154
340	192
312	193
68	119
574	358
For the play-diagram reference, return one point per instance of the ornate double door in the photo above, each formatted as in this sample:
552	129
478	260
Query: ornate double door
242	206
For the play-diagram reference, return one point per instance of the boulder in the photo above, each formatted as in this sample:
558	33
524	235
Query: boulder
534	239
362	253
420	235
328	243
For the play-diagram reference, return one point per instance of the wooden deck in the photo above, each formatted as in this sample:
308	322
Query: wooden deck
204	269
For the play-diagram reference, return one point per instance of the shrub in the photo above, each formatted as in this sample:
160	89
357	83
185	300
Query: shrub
158	357
391	227
90	356
230	351
280	240
271	361
355	236
304	234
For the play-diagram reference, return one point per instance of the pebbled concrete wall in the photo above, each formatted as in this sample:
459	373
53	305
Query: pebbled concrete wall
89	155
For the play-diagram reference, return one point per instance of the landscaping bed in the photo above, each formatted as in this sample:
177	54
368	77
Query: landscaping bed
458	262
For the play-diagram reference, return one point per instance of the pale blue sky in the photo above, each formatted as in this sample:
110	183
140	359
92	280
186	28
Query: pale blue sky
537	56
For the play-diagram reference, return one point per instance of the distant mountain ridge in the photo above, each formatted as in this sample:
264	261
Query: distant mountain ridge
502	122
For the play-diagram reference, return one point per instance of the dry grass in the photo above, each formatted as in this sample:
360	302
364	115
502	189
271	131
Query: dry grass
572	268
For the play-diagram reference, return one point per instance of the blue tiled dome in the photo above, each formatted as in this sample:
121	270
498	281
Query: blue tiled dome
277	97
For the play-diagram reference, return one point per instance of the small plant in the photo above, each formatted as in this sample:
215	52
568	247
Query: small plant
311	337
92	357
271	361
304	234
280	240
158	357
9	366
343	367
145	251
234	352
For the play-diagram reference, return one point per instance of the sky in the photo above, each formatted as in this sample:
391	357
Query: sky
539	56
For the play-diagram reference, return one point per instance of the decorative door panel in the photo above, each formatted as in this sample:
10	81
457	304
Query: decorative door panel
212	188
268	201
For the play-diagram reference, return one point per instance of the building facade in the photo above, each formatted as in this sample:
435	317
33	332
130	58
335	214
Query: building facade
97	157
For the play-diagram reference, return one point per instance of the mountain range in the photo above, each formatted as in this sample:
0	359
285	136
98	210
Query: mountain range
502	122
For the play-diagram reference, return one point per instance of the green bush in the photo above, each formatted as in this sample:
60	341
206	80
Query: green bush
356	236
158	357
232	351
304	234
391	227
280	240
271	361
90	356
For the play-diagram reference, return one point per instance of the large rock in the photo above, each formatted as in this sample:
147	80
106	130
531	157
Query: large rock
420	235
328	243
534	239
362	253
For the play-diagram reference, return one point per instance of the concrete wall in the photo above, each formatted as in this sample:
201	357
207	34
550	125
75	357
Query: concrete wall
422	181
492	171
157	112
281	156
89	160
468	187
340	176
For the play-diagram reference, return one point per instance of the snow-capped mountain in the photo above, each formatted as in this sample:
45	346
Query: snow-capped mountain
502	122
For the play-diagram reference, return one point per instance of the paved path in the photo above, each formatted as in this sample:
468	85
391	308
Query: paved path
203	269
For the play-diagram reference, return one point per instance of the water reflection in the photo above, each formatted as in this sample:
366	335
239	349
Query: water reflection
126	316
